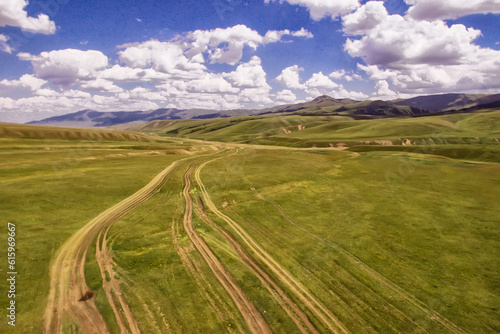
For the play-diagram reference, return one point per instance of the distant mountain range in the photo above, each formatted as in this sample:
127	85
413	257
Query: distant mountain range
323	105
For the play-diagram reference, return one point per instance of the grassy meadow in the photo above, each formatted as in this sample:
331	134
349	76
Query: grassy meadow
391	224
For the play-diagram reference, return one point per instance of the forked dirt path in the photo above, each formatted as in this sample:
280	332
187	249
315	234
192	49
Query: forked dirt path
252	316
320	311
67	279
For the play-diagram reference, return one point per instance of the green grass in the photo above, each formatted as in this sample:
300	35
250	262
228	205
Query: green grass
433	231
49	194
324	131
347	224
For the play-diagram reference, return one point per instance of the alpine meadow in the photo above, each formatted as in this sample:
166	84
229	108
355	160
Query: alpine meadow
295	166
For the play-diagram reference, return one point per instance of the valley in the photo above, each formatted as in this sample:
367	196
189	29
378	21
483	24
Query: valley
278	223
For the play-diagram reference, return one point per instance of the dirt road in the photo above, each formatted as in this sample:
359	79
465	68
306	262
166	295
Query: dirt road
252	316
67	279
294	312
320	311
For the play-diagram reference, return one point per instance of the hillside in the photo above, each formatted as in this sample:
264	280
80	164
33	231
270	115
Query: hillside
445	102
396	217
472	129
22	131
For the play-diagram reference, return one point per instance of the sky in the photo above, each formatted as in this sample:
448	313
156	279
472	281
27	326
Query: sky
62	56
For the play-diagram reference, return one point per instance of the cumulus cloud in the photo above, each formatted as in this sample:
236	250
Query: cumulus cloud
249	75
121	73
211	83
273	36
319	9
286	96
102	85
225	45
290	77
393	41
342	93
320	82
343	75
255	95
303	33
12	13
383	91
165	57
26	81
419	56
65	67
4	46
450	9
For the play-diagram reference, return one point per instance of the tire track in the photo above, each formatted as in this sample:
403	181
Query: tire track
321	312
252	316
295	313
196	271
67	278
112	286
450	326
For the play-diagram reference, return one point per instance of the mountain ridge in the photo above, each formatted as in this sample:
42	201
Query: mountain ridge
321	105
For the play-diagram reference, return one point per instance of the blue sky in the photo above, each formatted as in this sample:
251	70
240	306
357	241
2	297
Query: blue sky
61	56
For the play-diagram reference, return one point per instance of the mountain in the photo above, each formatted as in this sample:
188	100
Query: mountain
445	102
322	105
316	104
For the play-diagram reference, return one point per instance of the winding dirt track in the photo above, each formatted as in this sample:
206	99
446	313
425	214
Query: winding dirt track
321	312
252	316
67	280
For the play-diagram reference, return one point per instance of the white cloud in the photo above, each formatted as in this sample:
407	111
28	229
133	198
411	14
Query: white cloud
225	45
47	92
320	81
342	93
120	73
207	101
419	56
286	96
339	74
450	9
319	9
165	57
249	75
26	81
383	91
290	77
393	41
303	33
366	18
6	103
102	85
4	46
343	75
273	36
141	93
12	13
65	67
255	95
72	93
211	83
